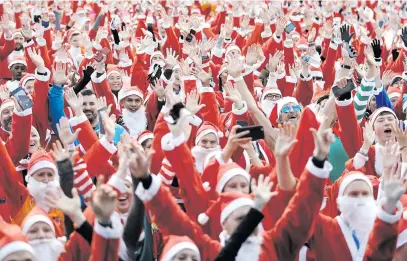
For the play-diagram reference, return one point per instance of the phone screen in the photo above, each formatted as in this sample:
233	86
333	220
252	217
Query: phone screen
22	98
289	28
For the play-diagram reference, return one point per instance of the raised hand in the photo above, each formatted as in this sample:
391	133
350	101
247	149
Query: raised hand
323	138
274	60
391	156
196	56
285	141
368	136
139	162
6	26
207	45
201	75
104	201
346	36
281	23
403	36
234	141
26	31
387	77
235	65
59	74
377	50
172	58
185	68
36	59
401	135
109	124
65	133
233	95
159	88
251	55
394	187
262	191
74	101
192	102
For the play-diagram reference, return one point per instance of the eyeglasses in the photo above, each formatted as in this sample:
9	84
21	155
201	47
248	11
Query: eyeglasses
272	96
287	108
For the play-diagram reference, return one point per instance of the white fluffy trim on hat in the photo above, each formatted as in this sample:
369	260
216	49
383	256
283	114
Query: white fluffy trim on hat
179	247
232	206
41	165
15	246
203	219
350	178
35	219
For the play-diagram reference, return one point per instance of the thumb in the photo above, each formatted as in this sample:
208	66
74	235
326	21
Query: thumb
77	132
292	143
200	107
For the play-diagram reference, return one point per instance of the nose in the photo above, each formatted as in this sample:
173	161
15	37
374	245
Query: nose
41	234
46	180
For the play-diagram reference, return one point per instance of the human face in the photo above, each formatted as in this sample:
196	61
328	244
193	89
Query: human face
290	113
19	41
115	81
186	255
40	230
372	104
17	71
394	101
208	141
6	118
224	76
20	256
272	97
29	87
233	221
125	199
237	184
147	145
156	58
177	76
383	127
90	109
75	41
34	141
44	175
132	103
302	51
358	188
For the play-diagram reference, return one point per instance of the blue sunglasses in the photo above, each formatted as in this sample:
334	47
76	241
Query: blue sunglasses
287	109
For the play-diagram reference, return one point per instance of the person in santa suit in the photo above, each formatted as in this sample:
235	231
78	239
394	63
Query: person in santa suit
180	248
74	38
115	80
145	139
13	244
269	245
269	98
18	66
133	112
287	110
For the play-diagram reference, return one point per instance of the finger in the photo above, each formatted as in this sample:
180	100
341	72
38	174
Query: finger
100	181
241	134
253	186
77	132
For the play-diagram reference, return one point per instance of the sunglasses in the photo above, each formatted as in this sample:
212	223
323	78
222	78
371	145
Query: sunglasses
287	109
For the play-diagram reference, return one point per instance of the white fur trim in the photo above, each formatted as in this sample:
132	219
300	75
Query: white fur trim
146	137
148	194
241	111
195	120
42	165
110	147
169	142
118	183
306	79
23	113
96	79
179	247
43	78
291	79
232	206
402	238
14	247
266	34
344	103
386	217
77	120
320	173
206	90
11	63
229	175
350	178
123	94
110	233
205	132
394	94
206	186
28	44
35	219
203	219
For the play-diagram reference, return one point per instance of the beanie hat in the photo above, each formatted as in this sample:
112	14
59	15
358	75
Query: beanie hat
26	78
175	244
378	111
133	90
144	135
12	240
36	215
350	177
17	60
207	128
269	90
275	113
227	172
40	160
226	204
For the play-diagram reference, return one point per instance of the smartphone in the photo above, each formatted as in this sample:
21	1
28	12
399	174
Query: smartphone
289	28
255	132
242	123
174	114
22	98
101	128
190	36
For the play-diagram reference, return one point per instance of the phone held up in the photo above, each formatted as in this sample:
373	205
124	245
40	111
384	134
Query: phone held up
22	98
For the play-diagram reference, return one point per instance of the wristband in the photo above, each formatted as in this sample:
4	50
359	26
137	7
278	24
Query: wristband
237	79
42	74
106	225
363	152
346	66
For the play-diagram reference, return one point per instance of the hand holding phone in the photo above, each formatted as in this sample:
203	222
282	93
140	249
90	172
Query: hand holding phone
22	98
255	132
289	28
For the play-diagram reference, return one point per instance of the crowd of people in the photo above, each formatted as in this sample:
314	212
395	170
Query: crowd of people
202	130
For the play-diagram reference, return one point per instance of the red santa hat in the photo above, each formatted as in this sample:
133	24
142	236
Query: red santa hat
176	244
36	215
127	91
112	70
269	90
207	128
232	47
227	172
17	32
315	71
27	77
144	135
394	91
353	176
156	53
226	204
71	33
12	240
195	10
17	60
40	160
5	104
377	112
302	43
275	113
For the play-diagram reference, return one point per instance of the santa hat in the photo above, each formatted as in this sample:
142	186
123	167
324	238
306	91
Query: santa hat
12	240
144	135
112	70
36	215
17	32
315	72
26	78
230	48
207	128
226	204
17	60
5	104
71	33
377	112
227	172
394	91
40	160
349	178
275	113
269	90
156	53
176	244
302	43
133	90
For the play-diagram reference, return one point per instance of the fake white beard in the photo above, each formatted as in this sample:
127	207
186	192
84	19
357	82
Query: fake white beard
250	249
200	153
267	106
47	249
136	122
38	190
359	213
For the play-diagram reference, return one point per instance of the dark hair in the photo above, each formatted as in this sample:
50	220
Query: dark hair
322	98
87	92
144	143
385	113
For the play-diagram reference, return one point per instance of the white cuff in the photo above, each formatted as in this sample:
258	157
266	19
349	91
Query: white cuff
288	43
168	142
317	172
43	78
41	42
368	82
291	79
195	120
359	161
386	217
28	44
306	79
344	103
148	194
219	158
114	232
241	111
125	64
333	45
96	79
402	238
110	147
276	39
77	120
266	34
118	183
24	113
217	52
206	90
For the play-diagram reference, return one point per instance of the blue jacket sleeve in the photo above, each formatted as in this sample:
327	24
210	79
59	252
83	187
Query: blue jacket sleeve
56	105
383	100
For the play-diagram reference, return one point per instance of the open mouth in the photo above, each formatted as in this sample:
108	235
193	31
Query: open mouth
388	131
293	117
122	199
